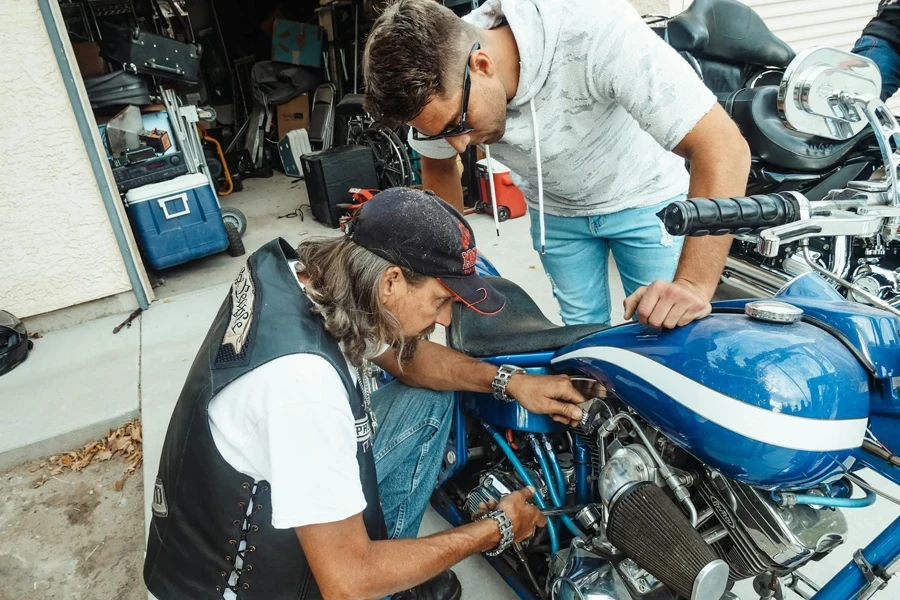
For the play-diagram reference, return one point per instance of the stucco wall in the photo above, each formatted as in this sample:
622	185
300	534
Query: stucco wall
56	244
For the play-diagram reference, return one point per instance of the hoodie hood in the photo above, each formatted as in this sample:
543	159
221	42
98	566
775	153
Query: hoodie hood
536	25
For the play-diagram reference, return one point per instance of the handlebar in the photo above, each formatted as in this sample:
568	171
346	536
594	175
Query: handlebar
722	216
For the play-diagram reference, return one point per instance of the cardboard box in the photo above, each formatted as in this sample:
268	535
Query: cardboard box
158	139
87	55
293	115
298	43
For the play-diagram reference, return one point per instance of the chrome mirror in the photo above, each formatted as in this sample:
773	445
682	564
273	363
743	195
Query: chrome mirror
821	91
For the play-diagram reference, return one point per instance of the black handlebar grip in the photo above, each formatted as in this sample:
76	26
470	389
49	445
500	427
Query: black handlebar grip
722	216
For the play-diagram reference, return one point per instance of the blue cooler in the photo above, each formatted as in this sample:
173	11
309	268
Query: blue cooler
176	221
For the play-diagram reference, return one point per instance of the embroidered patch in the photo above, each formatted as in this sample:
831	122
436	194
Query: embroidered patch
159	506
363	432
243	293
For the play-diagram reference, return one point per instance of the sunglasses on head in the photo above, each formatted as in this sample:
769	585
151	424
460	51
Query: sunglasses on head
462	127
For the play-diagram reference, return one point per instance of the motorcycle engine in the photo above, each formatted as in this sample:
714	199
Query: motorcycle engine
754	535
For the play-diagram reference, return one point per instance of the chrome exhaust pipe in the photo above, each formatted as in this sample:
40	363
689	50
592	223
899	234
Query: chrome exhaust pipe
752	279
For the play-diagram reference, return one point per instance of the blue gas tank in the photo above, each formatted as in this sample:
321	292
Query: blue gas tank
778	406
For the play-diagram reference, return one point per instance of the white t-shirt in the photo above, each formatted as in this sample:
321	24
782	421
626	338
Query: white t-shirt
289	422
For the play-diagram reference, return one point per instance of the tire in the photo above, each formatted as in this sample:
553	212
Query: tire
235	243
502	213
232	215
479	208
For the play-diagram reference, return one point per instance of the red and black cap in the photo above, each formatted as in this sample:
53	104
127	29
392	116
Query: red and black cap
419	231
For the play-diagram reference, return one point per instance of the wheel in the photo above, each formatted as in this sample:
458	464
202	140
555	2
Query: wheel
235	243
232	215
215	168
502	213
479	208
391	160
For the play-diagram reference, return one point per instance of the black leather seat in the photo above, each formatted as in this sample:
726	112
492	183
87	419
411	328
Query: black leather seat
756	113
727	30
519	328
351	105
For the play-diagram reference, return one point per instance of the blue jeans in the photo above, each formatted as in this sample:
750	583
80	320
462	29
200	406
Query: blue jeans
577	254
886	57
413	427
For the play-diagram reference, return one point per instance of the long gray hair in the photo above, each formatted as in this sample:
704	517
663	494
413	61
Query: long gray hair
344	281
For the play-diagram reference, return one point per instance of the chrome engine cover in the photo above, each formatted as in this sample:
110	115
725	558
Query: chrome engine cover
764	537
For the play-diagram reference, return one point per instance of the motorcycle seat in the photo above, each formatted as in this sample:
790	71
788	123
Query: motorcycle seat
727	30
755	111
520	328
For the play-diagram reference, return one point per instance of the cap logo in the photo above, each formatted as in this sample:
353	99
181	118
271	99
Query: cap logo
465	236
469	257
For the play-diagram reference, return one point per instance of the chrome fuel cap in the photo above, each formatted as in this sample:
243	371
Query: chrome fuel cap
773	311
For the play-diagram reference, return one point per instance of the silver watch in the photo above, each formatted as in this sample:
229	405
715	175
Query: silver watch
506	530
502	379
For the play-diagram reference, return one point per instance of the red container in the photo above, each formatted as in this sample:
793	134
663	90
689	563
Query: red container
510	200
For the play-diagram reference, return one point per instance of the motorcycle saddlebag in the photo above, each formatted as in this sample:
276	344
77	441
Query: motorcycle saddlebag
142	52
116	89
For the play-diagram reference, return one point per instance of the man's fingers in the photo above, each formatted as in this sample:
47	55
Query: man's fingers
632	302
648	304
564	409
676	314
528	492
541	520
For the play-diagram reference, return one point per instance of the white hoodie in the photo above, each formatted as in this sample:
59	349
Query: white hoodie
608	100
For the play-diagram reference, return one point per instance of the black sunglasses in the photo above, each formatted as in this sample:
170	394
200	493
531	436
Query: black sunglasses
462	127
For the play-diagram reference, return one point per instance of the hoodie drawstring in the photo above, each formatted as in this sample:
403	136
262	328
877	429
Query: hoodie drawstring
540	176
490	170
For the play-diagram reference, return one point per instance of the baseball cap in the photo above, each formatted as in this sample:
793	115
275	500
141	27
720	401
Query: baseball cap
419	231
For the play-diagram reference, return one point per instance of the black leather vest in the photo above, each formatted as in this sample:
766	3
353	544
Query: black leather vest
200	502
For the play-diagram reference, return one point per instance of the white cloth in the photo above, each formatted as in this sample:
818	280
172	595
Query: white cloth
610	100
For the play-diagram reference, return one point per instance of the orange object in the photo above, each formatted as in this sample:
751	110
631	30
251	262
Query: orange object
509	196
229	184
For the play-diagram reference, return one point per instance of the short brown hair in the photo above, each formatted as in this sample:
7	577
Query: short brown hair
410	58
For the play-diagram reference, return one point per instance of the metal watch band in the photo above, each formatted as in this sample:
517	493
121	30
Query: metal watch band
502	379
506	530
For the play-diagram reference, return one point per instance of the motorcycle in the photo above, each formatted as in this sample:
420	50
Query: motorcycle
743	63
719	452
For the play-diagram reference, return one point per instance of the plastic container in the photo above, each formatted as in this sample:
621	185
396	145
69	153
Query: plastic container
510	199
176	221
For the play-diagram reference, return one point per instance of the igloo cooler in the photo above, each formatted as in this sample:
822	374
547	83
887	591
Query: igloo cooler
176	221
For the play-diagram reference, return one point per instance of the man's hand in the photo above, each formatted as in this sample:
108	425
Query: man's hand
668	304
552	395
525	516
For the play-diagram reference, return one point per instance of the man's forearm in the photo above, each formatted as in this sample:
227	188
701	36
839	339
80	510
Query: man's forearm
401	564
440	368
442	177
715	173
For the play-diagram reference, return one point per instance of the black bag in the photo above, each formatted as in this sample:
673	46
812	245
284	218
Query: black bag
331	173
142	52
116	89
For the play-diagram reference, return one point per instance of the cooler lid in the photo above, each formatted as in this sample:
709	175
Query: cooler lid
496	166
177	185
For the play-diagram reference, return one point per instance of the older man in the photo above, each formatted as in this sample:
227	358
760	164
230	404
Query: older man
270	485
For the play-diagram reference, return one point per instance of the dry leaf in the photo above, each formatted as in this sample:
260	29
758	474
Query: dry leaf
56	471
33	469
119	485
54	458
137	433
40	482
42	465
104	455
123	442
